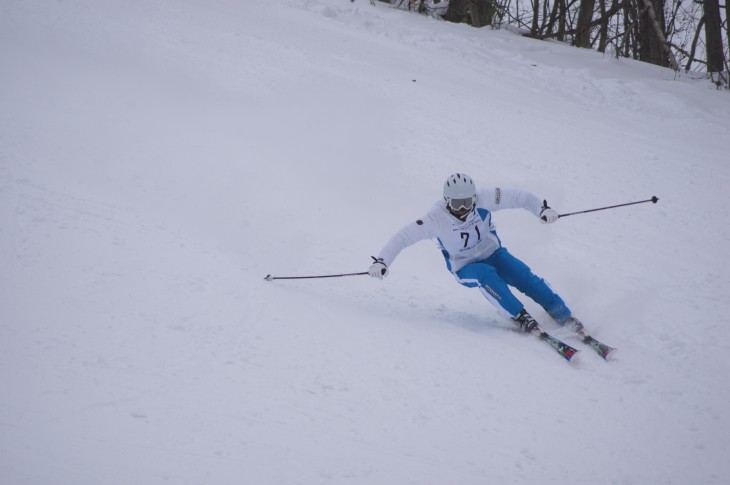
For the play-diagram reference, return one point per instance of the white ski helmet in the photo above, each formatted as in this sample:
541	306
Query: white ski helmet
460	194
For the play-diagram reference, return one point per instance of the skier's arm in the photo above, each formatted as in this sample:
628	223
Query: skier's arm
514	198
499	199
410	234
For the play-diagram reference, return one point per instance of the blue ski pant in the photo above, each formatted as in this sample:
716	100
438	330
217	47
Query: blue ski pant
494	275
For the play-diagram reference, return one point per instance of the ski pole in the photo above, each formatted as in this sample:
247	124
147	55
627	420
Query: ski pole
654	199
271	278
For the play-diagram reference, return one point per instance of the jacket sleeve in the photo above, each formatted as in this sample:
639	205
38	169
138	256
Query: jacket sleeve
498	199
410	234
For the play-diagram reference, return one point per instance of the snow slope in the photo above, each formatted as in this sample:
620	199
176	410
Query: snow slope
159	158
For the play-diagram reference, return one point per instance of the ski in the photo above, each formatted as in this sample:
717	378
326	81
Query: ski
562	348
601	349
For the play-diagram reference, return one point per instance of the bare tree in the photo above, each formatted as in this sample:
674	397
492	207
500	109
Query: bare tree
478	13
603	32
653	46
585	17
727	31
713	36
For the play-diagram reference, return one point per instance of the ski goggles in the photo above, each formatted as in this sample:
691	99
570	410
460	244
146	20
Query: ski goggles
461	204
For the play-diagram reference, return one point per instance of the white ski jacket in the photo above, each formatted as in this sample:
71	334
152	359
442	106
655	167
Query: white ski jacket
462	242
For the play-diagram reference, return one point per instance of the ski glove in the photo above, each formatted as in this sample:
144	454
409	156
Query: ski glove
548	215
378	269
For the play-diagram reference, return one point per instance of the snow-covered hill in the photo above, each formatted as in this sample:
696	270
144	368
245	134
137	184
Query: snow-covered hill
159	158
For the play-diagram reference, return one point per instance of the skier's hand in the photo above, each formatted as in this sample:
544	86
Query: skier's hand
548	215
378	269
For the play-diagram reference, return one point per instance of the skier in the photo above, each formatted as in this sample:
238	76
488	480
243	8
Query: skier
462	225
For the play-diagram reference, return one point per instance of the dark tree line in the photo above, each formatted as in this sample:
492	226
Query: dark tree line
679	34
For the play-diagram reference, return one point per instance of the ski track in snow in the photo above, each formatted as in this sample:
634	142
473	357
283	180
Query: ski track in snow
157	160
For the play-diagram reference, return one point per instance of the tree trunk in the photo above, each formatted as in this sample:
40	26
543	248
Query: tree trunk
585	16
457	12
562	20
535	16
691	57
478	13
713	36
629	44
727	26
603	35
557	16
653	46
553	18
482	12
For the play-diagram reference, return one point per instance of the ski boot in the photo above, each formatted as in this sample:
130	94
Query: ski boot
576	325
525	321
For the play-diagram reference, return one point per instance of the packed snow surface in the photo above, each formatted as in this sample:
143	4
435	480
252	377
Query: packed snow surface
158	159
